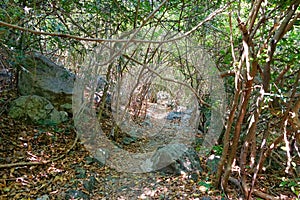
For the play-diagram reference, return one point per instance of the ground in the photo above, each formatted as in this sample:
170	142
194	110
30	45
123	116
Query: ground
48	162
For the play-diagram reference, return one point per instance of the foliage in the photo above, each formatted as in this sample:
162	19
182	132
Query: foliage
293	184
255	45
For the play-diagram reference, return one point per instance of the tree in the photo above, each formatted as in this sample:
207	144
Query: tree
255	71
255	48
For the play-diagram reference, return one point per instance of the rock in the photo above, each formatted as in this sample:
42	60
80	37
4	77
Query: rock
44	197
76	194
40	76
5	78
80	172
212	163
163	97
99	86
98	99
66	106
37	110
101	155
174	115
101	83
147	122
89	185
175	159
199	141
129	140
205	198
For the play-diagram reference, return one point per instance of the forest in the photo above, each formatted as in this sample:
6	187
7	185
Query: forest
149	99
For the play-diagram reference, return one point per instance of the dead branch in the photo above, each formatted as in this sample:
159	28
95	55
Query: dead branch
244	187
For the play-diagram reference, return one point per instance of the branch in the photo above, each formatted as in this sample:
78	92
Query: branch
171	80
279	33
291	24
254	14
261	21
227	73
255	191
100	40
282	28
231	39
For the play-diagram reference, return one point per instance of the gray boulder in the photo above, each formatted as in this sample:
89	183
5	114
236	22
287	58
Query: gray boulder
175	159
44	197
212	163
40	76
101	84
5	78
36	110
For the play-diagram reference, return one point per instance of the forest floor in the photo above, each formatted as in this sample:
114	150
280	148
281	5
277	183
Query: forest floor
47	162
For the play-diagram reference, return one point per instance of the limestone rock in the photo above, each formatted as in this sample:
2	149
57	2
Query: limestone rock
40	76
175	159
37	110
